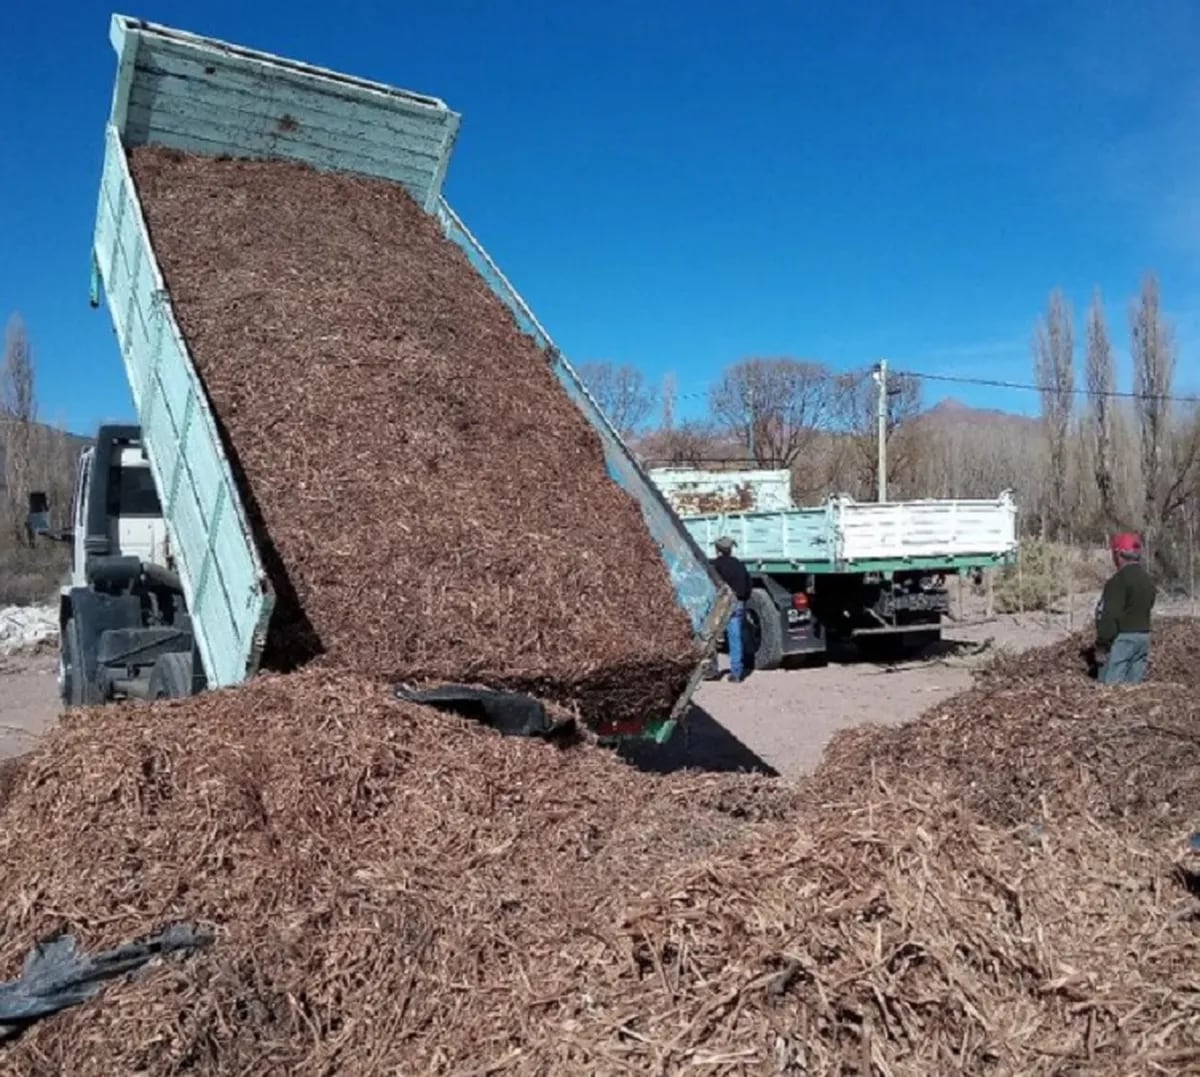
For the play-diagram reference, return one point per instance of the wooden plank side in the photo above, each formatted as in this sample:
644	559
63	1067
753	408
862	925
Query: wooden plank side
275	129
246	67
775	536
229	606
250	89
925	529
202	96
218	578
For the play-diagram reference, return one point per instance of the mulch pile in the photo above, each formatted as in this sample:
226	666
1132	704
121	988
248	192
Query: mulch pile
11	771
396	891
1037	730
1174	657
430	504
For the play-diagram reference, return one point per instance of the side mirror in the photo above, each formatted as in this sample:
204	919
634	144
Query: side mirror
37	522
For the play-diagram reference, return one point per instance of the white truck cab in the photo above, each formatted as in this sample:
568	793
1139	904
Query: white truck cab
133	510
124	628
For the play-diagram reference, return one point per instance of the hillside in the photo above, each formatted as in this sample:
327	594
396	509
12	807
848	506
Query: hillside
55	448
952	412
30	574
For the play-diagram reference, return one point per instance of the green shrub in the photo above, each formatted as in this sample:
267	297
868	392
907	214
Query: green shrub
1041	579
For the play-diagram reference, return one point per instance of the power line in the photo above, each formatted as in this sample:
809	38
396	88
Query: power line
990	383
995	383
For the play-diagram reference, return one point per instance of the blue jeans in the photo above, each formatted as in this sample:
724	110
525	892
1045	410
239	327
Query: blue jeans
737	622
1127	659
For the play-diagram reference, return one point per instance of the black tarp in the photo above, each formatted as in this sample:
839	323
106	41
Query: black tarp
56	975
509	713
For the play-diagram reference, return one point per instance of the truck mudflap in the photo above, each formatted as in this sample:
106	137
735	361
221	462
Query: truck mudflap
802	635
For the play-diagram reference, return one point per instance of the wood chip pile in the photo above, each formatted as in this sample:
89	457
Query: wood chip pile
431	505
998	888
1174	657
395	891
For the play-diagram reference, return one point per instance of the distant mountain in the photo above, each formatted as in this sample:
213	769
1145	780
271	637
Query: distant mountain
952	412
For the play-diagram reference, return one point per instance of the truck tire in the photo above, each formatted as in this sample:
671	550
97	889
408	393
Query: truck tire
171	677
76	690
767	629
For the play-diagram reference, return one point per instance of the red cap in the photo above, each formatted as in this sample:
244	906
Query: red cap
1127	542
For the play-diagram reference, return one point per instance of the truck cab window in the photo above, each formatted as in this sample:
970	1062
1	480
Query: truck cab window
131	492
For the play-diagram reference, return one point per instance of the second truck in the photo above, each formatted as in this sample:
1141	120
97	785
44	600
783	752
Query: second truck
870	573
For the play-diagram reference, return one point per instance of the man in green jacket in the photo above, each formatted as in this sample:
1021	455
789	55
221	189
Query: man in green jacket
1123	616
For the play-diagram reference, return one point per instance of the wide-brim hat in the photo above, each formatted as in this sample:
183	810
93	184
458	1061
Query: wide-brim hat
725	543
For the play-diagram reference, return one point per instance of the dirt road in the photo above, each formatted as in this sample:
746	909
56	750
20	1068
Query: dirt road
28	701
778	721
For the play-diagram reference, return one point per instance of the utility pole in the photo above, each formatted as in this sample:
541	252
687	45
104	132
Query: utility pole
669	389
881	422
753	422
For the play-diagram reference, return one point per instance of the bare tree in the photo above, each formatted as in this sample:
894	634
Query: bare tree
775	407
1183	471
1054	368
857	408
622	393
1101	387
689	444
18	412
1153	352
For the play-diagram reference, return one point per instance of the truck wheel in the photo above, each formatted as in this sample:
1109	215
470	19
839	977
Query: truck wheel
767	628
171	677
74	687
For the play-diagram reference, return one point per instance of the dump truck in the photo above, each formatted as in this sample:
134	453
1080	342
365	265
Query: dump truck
168	594
871	573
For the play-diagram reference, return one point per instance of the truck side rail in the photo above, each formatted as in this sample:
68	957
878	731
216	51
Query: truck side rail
869	531
227	590
844	535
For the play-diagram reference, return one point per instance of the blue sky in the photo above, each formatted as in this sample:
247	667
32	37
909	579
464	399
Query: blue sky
680	186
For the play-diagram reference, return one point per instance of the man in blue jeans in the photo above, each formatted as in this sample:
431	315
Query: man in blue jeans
1123	616
734	573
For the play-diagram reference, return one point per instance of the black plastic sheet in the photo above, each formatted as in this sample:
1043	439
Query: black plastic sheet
509	713
56	975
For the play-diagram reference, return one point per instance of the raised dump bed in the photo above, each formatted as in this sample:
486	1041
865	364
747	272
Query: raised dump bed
212	101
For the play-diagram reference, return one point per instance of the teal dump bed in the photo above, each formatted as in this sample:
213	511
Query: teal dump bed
198	95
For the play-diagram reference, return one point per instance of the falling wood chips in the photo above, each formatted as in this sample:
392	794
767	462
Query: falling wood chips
998	888
430	504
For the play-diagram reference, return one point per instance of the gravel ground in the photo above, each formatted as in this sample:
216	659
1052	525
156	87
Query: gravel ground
777	722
